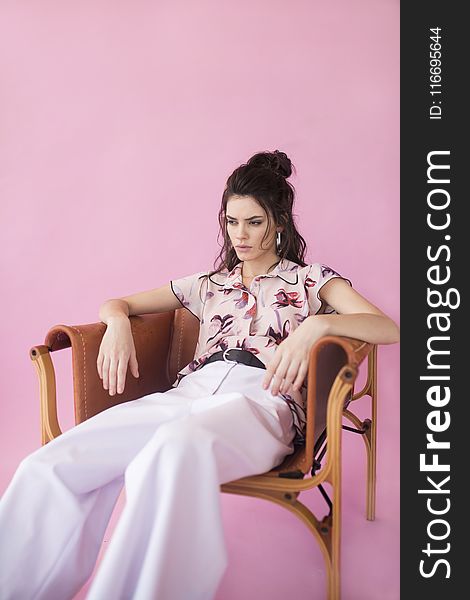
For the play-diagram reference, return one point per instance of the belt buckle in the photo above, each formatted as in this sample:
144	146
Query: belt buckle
227	360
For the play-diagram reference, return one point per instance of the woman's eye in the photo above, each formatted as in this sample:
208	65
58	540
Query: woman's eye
251	223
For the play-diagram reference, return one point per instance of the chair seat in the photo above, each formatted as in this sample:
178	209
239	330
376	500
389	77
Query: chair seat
294	462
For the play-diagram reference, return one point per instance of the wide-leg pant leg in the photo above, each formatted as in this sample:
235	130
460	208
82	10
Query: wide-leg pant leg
54	513
169	542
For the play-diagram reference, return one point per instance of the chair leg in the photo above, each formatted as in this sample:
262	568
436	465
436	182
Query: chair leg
327	532
372	454
372	463
334	577
333	522
367	429
336	543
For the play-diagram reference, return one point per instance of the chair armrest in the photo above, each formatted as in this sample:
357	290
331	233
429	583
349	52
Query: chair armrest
151	333
328	356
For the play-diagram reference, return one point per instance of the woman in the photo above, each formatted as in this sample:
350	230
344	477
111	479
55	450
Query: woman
236	410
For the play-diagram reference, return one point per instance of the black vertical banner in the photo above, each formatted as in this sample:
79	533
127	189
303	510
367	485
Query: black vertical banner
435	332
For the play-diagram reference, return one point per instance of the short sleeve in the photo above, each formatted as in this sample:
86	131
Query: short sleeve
189	293
316	276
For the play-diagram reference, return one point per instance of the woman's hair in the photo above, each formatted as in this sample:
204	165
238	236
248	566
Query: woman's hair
264	177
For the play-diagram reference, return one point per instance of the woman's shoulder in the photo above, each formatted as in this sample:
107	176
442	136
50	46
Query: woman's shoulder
311	268
311	274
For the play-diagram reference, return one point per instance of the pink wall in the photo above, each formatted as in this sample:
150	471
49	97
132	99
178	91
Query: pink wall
121	122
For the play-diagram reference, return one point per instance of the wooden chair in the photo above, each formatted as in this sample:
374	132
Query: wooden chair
165	343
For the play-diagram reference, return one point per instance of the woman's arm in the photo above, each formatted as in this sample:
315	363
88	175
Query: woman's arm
356	318
117	349
158	300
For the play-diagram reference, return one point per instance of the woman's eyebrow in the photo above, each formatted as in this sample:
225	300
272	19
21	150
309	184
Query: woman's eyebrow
255	217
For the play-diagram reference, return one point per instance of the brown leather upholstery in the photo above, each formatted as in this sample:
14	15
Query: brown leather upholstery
152	336
183	341
329	362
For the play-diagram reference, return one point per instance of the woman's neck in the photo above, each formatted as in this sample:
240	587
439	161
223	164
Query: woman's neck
251	269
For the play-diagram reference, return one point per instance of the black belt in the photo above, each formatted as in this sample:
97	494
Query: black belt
237	355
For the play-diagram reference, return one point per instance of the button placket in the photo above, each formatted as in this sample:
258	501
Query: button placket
249	307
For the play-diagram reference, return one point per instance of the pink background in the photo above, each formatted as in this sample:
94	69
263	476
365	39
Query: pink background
120	123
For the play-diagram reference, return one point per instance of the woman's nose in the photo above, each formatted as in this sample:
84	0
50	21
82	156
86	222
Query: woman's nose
241	233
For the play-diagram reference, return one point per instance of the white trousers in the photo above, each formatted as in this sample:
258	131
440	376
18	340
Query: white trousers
171	450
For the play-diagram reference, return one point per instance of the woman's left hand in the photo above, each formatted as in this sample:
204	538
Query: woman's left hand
289	364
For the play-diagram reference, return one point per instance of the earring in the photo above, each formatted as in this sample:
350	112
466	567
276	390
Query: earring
278	241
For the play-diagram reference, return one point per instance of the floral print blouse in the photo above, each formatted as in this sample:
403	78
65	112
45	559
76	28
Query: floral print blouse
257	318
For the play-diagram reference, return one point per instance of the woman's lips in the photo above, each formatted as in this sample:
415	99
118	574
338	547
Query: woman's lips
242	248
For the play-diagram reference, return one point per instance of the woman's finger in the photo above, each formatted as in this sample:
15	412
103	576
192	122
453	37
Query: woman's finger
301	375
271	369
290	376
112	376
284	387
99	365
280	374
121	375
106	372
134	365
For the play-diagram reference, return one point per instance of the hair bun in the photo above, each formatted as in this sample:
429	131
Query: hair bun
276	161
282	163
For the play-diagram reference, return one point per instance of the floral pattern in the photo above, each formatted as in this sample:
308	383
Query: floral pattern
220	325
257	318
284	298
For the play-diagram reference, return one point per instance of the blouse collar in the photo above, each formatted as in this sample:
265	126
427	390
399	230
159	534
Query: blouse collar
285	270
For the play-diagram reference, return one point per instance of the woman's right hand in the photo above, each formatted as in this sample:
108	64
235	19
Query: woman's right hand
116	351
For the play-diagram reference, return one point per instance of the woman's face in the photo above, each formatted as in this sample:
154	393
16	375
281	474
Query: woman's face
247	222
